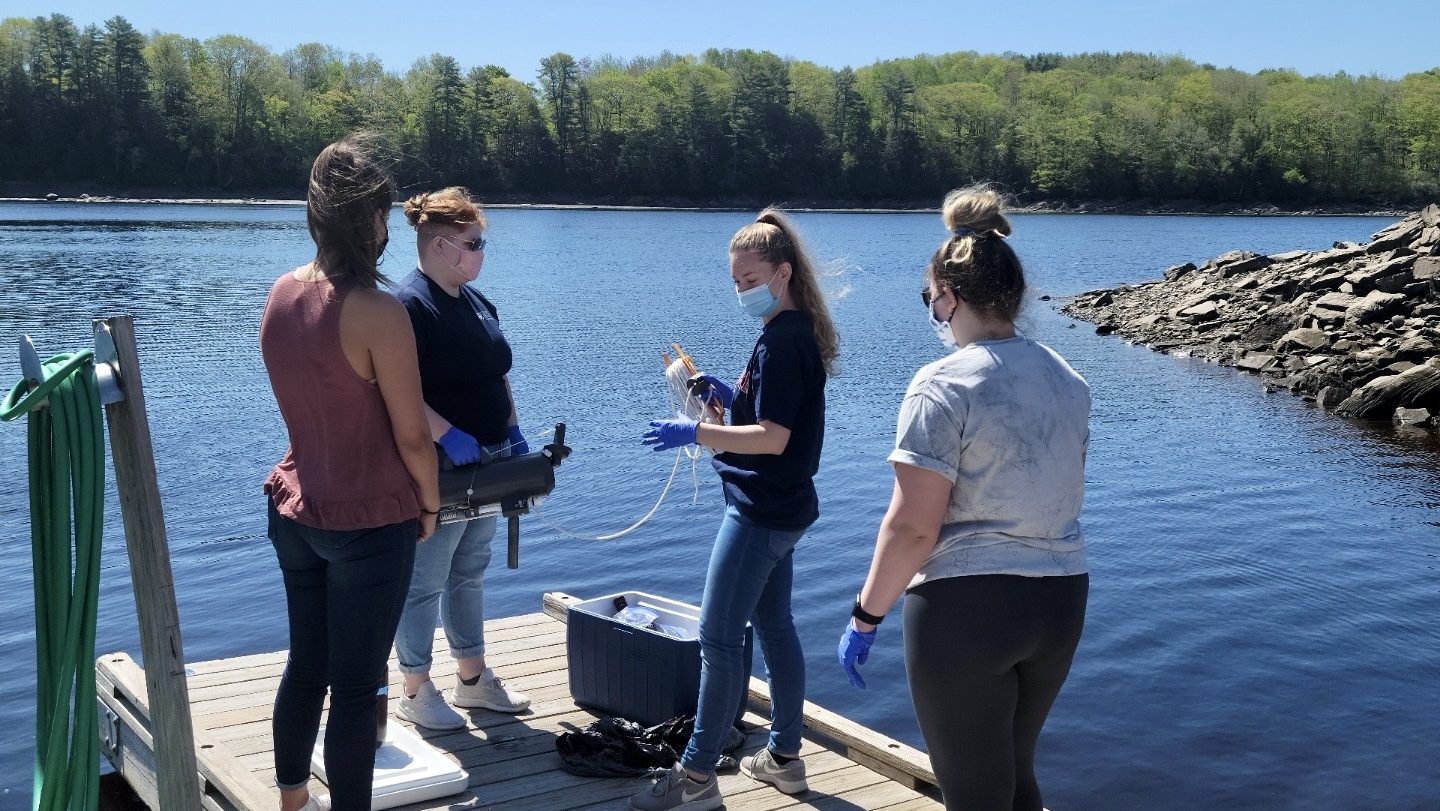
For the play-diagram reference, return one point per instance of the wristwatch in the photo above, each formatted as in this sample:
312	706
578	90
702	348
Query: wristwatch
860	614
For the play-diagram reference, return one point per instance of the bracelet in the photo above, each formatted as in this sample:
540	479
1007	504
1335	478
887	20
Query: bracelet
861	614
424	511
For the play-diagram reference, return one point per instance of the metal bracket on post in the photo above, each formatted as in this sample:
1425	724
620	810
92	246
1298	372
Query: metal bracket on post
109	731
106	361
30	367
107	365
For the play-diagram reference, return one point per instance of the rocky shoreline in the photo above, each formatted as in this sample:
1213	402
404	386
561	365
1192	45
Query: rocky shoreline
9	193
1354	328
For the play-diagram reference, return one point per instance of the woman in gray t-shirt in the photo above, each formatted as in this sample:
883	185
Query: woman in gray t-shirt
983	528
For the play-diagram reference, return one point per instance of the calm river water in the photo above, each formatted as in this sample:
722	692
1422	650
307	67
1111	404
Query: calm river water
1264	626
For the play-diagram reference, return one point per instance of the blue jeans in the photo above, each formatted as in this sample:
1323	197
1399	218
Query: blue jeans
343	592
749	580
448	582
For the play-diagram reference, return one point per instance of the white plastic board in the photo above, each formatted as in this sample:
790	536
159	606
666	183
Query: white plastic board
407	769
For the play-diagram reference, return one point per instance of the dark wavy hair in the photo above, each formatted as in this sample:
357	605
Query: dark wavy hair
350	182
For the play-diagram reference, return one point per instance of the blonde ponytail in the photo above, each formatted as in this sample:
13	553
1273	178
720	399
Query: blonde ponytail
775	239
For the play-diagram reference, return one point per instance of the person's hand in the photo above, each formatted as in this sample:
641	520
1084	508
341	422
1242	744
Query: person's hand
518	445
710	389
854	649
427	524
460	447
667	434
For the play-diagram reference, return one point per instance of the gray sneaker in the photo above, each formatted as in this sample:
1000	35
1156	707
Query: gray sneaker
490	693
789	778
675	791
428	709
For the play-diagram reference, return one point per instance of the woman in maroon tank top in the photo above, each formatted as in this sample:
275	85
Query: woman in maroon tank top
357	487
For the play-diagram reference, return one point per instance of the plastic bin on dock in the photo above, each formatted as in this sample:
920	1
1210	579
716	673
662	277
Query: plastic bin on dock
635	673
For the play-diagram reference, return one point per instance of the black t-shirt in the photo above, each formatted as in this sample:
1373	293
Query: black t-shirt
463	356
784	382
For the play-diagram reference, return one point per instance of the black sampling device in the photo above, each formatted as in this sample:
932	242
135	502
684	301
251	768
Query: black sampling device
509	487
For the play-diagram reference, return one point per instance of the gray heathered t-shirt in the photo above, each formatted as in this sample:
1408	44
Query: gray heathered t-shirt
1008	422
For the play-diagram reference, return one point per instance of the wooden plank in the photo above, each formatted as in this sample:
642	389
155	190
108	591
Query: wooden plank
206	712
529	648
495	630
549	703
916	804
153	581
739	791
217	767
134	754
863	745
254	720
549	645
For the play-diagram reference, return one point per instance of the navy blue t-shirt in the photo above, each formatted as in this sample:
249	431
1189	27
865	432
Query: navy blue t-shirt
463	356
784	382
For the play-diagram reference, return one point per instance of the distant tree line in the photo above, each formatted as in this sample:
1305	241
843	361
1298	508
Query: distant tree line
109	104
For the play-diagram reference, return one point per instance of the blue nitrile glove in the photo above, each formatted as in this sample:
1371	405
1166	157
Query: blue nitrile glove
854	650
460	447
667	434
709	388
518	445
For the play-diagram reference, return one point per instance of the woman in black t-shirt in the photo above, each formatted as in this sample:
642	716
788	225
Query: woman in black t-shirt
464	363
766	457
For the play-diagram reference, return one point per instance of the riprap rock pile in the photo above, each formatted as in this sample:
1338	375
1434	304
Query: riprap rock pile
1355	328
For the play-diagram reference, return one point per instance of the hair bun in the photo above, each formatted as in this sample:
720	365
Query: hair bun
975	211
450	206
415	212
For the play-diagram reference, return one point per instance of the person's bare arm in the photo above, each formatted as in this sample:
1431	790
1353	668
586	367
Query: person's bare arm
767	438
392	352
908	533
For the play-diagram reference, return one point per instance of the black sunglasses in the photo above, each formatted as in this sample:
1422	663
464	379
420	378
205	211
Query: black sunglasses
477	244
926	296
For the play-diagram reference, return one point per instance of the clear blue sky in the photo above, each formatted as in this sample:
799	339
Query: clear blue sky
1312	36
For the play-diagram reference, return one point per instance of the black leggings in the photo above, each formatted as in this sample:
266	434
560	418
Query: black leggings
344	591
986	656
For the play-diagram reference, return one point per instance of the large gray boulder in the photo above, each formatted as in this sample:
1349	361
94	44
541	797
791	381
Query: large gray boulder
1376	305
1416	388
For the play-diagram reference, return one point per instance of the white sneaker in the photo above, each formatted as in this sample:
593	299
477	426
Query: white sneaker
489	692
428	709
316	803
789	778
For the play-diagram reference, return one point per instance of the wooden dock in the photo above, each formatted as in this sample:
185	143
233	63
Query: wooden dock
511	759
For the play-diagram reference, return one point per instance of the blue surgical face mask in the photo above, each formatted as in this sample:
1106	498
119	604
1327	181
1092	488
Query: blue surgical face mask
758	301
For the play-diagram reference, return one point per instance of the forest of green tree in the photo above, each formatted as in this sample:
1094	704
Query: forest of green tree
108	104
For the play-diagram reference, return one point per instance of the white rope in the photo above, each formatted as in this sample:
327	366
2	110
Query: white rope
682	402
626	531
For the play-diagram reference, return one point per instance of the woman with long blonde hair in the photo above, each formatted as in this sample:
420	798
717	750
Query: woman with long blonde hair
767	458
